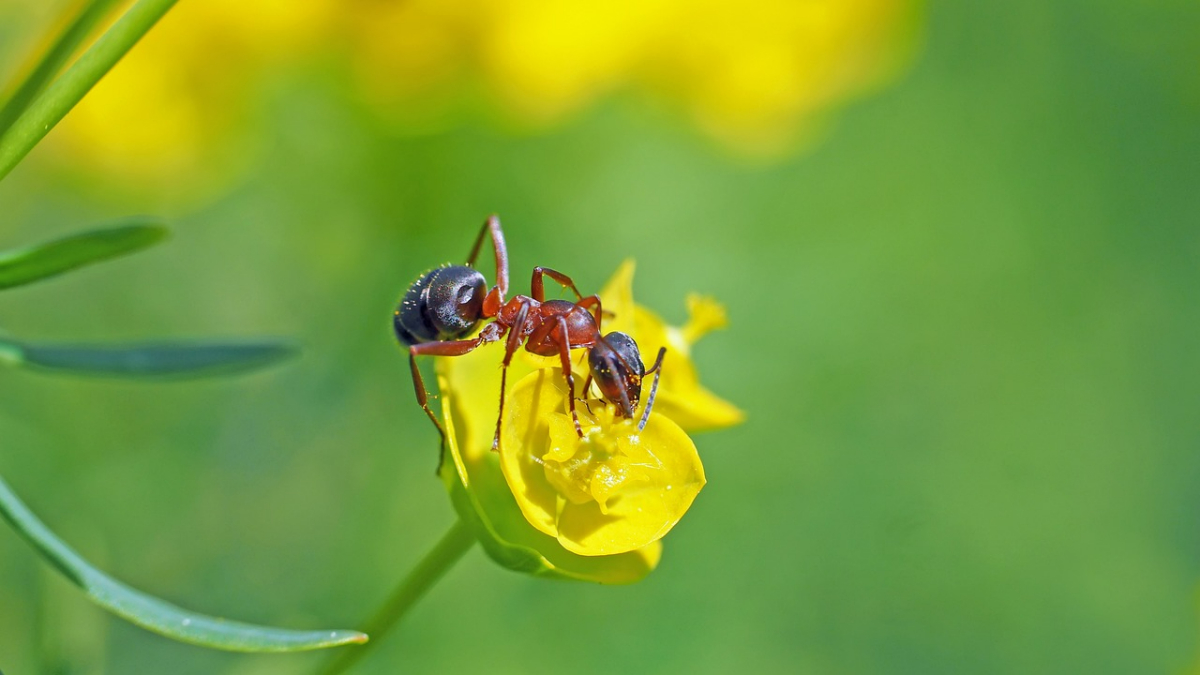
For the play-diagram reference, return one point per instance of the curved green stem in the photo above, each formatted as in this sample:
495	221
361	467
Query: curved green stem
456	542
57	100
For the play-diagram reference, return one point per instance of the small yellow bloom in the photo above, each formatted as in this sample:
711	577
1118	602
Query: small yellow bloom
615	490
552	504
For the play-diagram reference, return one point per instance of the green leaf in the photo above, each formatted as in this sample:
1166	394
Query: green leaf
76	32
41	261
149	360
154	614
61	95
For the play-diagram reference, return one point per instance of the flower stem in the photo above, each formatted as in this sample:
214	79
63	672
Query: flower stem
58	53
61	95
457	541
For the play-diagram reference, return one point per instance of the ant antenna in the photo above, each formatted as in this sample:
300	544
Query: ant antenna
657	370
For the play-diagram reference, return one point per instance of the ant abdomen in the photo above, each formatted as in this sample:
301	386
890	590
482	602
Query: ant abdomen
445	303
617	368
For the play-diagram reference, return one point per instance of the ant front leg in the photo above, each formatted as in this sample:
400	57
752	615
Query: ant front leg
495	297
537	286
584	396
450	348
515	334
564	353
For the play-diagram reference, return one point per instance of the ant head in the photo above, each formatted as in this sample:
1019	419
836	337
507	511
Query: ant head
445	303
617	368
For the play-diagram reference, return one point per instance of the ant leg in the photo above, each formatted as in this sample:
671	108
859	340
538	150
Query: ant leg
538	290
495	297
597	313
492	225
451	348
587	383
423	396
564	352
510	348
657	370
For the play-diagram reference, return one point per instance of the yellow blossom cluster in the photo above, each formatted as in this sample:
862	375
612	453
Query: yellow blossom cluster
758	75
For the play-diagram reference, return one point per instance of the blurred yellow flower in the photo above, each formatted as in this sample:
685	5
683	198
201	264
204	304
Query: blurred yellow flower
758	76
177	104
550	503
754	75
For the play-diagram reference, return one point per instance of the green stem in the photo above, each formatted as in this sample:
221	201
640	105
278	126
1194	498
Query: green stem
62	49
456	542
62	95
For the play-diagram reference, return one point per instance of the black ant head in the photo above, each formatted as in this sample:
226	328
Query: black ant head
617	368
445	303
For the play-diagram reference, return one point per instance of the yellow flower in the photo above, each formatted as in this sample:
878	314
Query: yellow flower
179	102
759	77
756	76
616	490
552	504
680	395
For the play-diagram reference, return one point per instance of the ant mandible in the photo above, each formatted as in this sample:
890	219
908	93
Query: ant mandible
446	303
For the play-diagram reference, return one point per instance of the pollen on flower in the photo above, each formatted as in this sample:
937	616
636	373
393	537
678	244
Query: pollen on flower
609	492
601	466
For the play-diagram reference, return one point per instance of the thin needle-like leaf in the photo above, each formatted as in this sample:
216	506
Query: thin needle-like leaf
40	261
154	614
75	33
60	96
150	360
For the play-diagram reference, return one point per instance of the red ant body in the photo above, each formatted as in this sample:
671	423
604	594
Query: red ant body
445	304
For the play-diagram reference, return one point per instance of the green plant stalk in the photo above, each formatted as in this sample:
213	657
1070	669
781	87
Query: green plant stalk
449	550
58	54
61	96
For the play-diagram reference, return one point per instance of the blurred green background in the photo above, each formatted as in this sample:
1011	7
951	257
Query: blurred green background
964	328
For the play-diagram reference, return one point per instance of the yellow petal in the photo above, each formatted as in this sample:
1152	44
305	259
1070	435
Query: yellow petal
470	388
704	314
616	490
681	397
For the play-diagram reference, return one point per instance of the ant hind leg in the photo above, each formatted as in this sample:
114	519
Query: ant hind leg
564	352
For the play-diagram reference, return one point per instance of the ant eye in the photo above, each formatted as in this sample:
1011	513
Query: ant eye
455	300
466	294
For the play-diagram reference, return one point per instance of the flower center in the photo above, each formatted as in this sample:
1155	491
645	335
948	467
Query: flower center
599	467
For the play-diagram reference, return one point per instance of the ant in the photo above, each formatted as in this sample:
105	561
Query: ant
446	303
